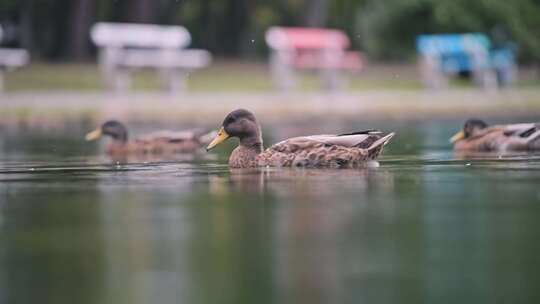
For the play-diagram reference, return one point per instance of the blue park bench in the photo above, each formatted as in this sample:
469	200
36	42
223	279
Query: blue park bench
451	54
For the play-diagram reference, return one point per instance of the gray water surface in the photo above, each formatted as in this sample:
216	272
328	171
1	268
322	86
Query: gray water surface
424	227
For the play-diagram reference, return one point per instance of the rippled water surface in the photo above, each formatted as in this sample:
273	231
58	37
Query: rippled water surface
424	227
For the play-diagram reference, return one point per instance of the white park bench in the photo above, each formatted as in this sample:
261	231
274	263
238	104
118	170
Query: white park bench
10	59
124	47
317	49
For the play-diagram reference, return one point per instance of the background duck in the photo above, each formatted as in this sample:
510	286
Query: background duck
478	136
345	150
162	142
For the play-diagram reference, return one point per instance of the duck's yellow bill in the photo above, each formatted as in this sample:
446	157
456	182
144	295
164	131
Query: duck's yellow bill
93	135
221	137
458	136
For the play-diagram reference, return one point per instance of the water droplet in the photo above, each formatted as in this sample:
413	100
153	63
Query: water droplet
32	169
467	164
252	40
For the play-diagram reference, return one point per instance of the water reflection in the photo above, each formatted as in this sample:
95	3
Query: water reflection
423	227
534	155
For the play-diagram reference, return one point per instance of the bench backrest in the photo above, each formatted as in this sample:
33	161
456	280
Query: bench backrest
105	34
456	52
286	38
448	44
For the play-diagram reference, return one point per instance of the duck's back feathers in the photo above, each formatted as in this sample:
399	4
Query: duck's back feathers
504	138
325	150
164	142
523	137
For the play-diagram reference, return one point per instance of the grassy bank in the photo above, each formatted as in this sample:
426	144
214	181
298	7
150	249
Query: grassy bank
53	109
220	76
48	95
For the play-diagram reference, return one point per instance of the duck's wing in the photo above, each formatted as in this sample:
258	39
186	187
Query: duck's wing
326	150
163	142
523	130
165	135
362	139
513	137
525	136
199	135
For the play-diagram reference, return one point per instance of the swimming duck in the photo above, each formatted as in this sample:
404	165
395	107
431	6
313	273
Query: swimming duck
477	135
162	142
345	150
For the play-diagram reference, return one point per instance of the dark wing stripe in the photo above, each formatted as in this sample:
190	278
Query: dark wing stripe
528	132
368	132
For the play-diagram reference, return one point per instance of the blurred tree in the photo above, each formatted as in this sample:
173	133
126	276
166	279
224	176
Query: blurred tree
316	11
142	11
388	27
384	29
83	14
520	18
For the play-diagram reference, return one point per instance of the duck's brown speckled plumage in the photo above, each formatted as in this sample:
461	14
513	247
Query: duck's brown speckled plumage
347	150
158	143
498	138
320	151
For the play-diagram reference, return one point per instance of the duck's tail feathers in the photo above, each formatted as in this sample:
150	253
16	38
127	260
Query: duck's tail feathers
533	140
366	132
376	147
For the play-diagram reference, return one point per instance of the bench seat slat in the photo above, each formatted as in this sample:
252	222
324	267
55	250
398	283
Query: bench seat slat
351	61
13	58
188	59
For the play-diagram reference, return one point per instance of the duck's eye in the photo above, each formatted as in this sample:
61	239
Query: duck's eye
230	120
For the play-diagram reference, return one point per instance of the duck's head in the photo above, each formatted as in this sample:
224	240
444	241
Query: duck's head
471	128
241	124
112	128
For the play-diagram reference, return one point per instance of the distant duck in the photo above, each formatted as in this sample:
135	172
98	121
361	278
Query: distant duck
346	150
162	142
476	135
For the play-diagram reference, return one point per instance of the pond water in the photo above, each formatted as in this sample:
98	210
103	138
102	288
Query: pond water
424	227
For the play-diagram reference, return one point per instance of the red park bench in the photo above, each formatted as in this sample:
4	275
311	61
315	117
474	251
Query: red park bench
314	49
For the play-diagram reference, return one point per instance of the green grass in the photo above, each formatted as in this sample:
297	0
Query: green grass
221	76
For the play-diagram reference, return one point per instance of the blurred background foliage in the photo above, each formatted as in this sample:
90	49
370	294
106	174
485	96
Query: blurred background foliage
383	29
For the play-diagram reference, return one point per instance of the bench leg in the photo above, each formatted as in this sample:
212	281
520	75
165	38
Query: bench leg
174	80
282	73
331	79
2	80
487	78
507	75
431	73
121	80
